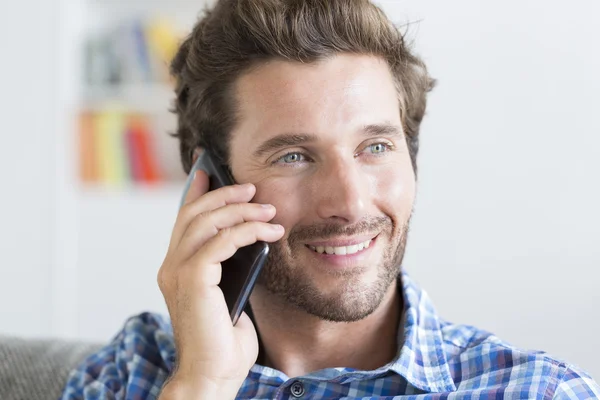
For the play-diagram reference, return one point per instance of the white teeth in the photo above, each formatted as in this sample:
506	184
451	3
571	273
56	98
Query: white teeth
352	249
342	250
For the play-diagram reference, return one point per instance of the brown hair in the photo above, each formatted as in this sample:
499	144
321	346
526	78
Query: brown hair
236	35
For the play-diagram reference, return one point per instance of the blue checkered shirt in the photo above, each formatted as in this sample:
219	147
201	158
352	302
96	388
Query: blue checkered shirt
438	360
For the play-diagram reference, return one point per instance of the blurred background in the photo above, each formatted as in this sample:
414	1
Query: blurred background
506	226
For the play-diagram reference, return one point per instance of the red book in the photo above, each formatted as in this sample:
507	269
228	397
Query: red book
142	155
133	154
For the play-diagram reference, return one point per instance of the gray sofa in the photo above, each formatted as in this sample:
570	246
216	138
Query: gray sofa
38	369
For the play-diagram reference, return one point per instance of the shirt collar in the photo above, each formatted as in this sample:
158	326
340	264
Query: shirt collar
421	360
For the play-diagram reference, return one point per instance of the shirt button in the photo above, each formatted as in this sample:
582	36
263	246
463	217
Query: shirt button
297	389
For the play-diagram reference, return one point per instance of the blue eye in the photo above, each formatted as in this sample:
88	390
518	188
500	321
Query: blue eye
292	158
378	148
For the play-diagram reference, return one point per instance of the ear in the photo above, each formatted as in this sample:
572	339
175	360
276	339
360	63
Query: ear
197	152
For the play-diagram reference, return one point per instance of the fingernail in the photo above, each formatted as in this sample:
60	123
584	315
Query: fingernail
276	227
268	206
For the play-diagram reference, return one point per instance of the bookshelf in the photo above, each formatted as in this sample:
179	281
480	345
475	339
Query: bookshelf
113	228
126	94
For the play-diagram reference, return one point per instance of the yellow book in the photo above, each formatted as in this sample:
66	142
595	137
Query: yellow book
110	131
99	148
163	41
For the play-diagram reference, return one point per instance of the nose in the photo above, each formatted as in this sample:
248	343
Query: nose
341	192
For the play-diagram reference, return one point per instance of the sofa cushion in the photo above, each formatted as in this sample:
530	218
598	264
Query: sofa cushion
38	369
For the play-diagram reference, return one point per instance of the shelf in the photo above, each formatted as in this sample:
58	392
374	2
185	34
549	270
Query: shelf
129	190
149	98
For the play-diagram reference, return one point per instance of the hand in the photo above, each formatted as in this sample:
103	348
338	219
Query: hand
213	356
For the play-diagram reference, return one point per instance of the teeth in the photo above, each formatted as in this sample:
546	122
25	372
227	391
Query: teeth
352	249
343	250
340	251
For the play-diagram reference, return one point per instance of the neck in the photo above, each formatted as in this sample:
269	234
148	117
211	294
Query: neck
298	343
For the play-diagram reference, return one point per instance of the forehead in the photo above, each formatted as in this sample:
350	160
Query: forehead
332	96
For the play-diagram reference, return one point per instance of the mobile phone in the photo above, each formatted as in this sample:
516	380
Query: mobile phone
239	273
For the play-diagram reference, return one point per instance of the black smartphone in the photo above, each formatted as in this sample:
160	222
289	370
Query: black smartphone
239	273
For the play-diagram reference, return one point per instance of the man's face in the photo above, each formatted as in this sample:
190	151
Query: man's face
324	144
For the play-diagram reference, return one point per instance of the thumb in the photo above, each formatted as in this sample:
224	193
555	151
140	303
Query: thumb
248	338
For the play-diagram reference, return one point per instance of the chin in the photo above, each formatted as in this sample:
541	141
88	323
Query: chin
352	301
342	296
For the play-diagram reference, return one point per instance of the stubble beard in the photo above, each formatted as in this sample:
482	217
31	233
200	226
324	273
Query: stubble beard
353	299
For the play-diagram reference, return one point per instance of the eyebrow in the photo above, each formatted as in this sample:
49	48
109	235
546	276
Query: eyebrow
383	130
295	139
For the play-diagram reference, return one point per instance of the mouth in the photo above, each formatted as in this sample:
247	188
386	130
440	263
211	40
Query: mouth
338	249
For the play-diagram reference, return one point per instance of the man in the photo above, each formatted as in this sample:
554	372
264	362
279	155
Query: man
315	106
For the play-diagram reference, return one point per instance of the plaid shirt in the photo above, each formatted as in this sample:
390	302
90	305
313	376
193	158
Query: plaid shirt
438	360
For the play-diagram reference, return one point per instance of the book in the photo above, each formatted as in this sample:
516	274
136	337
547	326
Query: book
142	155
110	154
88	168
131	142
163	42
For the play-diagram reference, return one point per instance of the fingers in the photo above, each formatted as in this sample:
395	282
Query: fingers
208	202
225	243
208	224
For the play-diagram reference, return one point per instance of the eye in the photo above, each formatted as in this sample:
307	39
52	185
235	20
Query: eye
291	158
378	148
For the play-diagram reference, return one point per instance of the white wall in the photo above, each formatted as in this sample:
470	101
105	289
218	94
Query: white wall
506	225
505	229
27	176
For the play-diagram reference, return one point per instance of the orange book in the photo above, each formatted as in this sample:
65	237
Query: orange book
88	170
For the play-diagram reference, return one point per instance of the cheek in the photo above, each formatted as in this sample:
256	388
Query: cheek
286	198
396	192
281	192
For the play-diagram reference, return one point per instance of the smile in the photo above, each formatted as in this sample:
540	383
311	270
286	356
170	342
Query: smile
341	250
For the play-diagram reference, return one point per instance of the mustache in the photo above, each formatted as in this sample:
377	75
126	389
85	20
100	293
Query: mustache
301	234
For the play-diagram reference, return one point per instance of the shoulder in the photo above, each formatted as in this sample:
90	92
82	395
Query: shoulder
137	361
478	358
